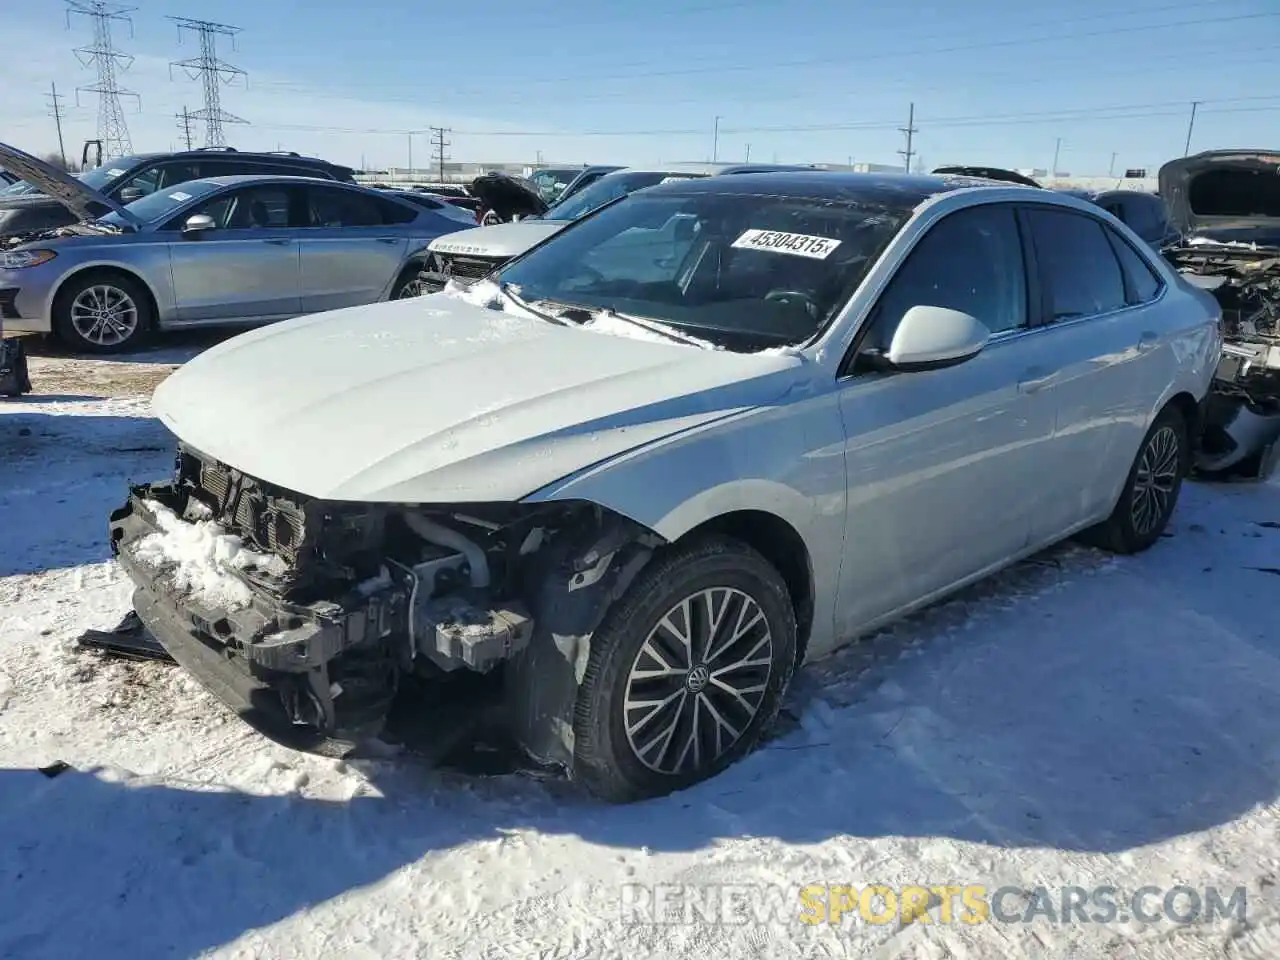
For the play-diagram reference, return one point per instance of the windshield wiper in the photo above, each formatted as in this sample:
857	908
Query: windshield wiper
654	327
505	288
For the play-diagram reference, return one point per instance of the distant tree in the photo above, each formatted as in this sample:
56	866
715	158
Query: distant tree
55	160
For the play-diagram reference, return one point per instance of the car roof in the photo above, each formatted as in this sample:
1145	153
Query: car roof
706	169
285	158
240	178
887	189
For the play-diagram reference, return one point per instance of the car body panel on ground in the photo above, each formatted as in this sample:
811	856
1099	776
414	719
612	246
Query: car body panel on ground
786	402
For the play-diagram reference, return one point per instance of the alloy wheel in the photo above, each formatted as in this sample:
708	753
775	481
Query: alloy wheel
698	681
104	315
1155	481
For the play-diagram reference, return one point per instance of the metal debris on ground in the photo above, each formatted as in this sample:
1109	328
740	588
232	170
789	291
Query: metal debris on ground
129	639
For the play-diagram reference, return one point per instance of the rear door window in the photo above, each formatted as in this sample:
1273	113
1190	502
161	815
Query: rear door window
1079	272
1142	283
332	208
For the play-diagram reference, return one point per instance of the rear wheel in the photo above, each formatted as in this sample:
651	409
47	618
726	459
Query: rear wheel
686	673
1151	492
102	313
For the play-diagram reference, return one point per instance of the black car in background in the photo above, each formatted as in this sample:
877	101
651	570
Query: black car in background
24	209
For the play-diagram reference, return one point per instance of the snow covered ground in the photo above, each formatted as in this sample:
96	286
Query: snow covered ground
1080	721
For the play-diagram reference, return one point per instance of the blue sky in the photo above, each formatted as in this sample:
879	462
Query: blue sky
803	81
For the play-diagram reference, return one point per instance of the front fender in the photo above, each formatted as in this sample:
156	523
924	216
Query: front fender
161	291
786	460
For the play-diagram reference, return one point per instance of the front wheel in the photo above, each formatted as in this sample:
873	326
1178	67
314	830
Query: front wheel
411	283
102	313
686	673
1151	492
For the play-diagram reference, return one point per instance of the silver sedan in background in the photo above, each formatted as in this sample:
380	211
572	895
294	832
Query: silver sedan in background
247	249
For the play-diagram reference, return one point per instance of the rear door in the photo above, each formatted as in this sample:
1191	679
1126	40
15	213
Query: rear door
1101	366
246	268
350	253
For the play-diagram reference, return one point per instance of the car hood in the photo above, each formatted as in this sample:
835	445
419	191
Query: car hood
60	185
434	400
500	240
1230	196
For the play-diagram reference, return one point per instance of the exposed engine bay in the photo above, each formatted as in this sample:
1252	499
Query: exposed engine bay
1242	428
348	600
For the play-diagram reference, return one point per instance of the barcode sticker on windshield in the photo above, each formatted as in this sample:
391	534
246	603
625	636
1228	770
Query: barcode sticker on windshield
113	173
798	244
180	197
673	179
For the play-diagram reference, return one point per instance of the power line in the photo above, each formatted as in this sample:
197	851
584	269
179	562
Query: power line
438	143
102	56
184	124
211	71
55	106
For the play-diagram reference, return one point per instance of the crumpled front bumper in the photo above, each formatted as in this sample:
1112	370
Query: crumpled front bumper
272	661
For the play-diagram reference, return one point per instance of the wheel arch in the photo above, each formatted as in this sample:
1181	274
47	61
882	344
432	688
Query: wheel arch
783	547
104	268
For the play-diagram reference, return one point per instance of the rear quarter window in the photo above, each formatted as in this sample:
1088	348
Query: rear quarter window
1078	269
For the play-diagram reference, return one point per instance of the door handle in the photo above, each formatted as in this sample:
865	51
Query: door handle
279	242
1148	341
1034	380
388	239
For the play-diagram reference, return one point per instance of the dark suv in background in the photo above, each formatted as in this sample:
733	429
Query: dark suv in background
24	209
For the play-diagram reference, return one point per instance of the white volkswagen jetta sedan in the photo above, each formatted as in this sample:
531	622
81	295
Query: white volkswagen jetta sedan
712	431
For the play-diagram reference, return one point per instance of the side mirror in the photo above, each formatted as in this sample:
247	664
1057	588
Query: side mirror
931	337
130	194
200	223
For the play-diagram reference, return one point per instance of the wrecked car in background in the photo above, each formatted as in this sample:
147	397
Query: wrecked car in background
645	471
1225	204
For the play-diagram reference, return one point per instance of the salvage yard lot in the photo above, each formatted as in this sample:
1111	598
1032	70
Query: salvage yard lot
1081	720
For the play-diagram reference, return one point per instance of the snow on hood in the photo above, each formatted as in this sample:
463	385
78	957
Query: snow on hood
435	400
504	240
75	195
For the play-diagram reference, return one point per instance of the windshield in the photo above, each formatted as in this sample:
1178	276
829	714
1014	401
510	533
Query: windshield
551	183
739	270
157	206
607	188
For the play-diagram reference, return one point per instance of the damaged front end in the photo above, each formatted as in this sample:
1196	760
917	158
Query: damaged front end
307	616
1241	430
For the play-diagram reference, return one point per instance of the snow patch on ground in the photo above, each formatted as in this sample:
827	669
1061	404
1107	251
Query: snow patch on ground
202	560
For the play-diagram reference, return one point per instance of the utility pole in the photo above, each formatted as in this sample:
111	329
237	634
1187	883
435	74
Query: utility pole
715	140
910	130
211	72
748	157
184	124
410	138
1191	126
55	104
1111	170
105	59
1057	149
438	143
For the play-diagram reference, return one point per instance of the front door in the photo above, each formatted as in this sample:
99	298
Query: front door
244	269
350	256
942	464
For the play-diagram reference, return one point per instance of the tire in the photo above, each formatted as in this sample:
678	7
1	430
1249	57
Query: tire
1145	506
79	325
409	283
621	766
